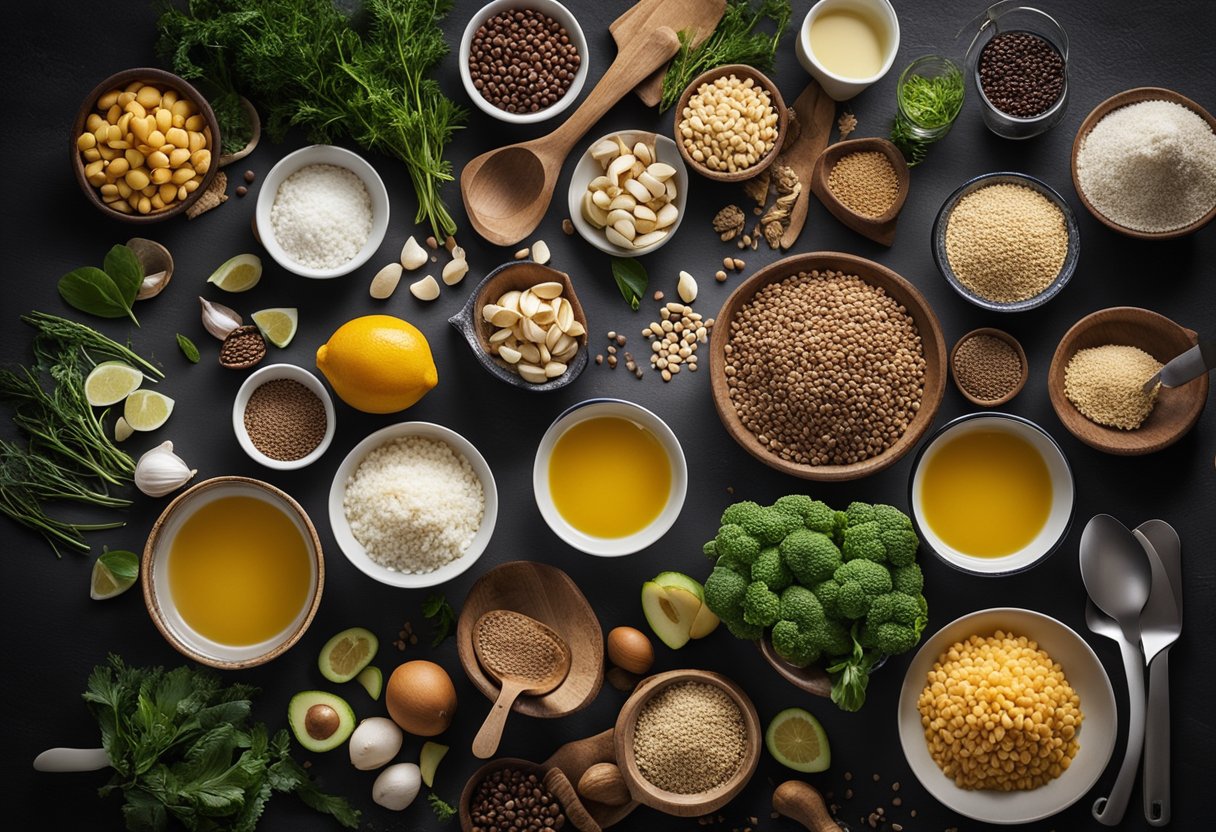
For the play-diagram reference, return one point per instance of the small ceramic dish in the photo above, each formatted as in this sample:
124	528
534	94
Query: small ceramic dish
547	594
274	372
1002	336
164	80
880	229
588	168
743	72
610	546
840	87
321	154
1060	514
1135	96
1084	673
554	10
517	276
673	803
158	597
354	550
1006	178
255	127
1177	408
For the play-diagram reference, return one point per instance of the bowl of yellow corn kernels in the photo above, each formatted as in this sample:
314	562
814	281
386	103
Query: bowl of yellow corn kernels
144	145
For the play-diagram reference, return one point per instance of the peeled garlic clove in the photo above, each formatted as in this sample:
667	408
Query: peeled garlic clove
593	212
545	315
637	190
670	186
666	215
686	288
218	319
601	199
599	183
554	369
530	353
385	282
625	228
528	303
565	355
562	344
533	331
122	430
661	171
644	213
499	316
426	289
576	329
500	336
642	151
618	166
509	355
531	373
551	338
510	300
545	356
454	272
605	151
656	188
413	256
548	290
565	315
617	239
618	215
160	471
540	252
644	240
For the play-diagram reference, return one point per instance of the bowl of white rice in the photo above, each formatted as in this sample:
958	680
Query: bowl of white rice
413	505
321	212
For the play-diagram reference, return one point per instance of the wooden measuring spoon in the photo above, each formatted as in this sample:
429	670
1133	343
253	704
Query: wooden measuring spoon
816	112
506	191
524	656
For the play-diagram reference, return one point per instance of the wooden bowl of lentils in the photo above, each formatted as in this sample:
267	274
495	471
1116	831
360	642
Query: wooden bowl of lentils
988	366
827	366
508	790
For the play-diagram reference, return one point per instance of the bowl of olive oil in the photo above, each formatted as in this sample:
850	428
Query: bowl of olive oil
232	572
991	494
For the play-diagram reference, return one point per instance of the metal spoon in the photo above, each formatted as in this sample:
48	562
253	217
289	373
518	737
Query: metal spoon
1188	366
1118	578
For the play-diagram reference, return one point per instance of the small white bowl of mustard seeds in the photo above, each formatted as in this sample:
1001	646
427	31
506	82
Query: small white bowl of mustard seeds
283	417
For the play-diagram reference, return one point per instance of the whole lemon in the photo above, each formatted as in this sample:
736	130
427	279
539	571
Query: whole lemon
378	364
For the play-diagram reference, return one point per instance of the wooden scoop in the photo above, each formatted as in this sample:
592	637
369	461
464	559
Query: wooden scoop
802	802
506	191
816	112
524	656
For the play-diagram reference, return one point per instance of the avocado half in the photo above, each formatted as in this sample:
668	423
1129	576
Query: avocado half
321	721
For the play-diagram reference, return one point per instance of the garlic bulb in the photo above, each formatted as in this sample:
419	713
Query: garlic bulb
218	319
160	471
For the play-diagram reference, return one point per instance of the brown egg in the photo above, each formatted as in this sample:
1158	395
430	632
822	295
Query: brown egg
629	649
421	698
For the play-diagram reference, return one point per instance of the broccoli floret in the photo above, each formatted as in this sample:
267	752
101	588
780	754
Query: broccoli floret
858	513
836	639
880	533
793	645
724	591
761	606
799	605
769	525
741	629
737	512
892	623
826	592
710	549
769	569
908	579
816	515
893	606
795	504
901	546
860	582
735	565
732	540
811	556
863	542
852	601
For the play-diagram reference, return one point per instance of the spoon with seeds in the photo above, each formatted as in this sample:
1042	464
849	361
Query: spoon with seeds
521	654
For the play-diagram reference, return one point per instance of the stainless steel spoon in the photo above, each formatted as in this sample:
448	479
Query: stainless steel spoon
1118	578
1188	366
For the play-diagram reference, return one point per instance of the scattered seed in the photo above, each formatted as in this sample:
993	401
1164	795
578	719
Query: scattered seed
658	295
521	254
848	775
895	786
567	226
876	778
897	801
241	190
414	638
666	375
599	359
250	176
612	335
432	242
738	264
540	252
621	339
449	243
728	263
848	794
612	361
720	276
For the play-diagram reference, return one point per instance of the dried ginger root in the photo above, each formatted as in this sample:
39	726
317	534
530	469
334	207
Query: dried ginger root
792	129
756	188
846	124
729	222
776	220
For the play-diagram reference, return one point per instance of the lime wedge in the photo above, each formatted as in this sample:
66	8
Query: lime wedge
147	409
797	740
113	574
110	382
344	655
239	274
278	326
372	680
122	430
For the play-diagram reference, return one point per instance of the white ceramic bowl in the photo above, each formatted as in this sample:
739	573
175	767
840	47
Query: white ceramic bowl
587	169
154	575
554	10
272	373
836	86
321	154
610	546
354	550
1063	499
1084	673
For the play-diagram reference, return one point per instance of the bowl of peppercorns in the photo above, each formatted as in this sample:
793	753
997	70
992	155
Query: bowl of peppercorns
523	61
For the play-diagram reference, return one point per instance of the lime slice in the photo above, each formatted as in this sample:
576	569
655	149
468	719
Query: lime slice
278	326
239	274
110	382
344	655
122	430
147	409
372	680
113	574
797	740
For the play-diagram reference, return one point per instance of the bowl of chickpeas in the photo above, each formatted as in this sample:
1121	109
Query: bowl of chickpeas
144	146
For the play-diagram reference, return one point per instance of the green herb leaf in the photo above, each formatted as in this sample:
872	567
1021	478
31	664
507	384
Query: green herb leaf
125	270
188	349
439	612
631	279
91	290
444	811
122	564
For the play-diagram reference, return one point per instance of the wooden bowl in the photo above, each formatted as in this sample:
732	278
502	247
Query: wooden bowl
1177	409
672	803
880	229
517	276
165	80
1134	96
255	124
470	786
547	594
811	679
903	292
742	72
1008	339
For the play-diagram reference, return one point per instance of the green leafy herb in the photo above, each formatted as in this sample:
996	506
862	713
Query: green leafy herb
125	270
183	746
439	612
631	279
307	66
188	349
734	41
235	127
70	333
444	811
929	103
108	292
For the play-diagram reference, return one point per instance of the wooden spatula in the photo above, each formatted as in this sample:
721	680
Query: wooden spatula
698	17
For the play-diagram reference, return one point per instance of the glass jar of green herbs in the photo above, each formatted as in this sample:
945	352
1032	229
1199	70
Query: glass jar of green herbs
929	97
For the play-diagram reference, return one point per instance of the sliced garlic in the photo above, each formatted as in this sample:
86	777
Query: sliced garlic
413	256
426	289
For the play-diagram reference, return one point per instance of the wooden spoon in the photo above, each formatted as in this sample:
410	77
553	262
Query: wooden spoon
506	191
816	112
802	802
697	17
525	656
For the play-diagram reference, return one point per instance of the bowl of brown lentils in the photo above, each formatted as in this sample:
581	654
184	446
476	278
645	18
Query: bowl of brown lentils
283	417
523	61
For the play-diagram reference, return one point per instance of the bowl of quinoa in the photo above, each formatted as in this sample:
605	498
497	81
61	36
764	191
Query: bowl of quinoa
322	212
413	505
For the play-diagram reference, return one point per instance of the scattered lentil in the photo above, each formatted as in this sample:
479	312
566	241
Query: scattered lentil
284	419
689	738
509	800
522	61
1105	384
250	176
321	216
728	125
865	183
1006	242
1021	74
986	367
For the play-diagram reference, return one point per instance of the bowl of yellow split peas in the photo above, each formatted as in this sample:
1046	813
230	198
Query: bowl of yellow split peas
144	145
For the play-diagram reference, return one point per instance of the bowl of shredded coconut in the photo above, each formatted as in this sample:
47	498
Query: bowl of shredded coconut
413	505
322	212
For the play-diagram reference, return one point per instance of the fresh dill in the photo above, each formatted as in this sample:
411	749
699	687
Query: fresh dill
925	104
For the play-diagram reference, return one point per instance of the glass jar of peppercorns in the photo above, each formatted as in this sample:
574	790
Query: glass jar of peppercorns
1018	60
